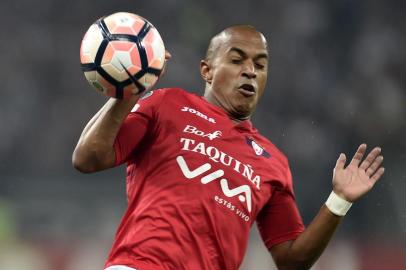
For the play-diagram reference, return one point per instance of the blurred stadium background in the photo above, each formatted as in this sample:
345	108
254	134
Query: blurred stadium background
337	79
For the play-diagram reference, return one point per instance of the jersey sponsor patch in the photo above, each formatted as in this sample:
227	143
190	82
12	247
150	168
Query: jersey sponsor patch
258	149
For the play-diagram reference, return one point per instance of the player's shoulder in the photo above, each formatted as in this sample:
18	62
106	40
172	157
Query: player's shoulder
275	152
171	96
171	92
280	154
160	94
163	98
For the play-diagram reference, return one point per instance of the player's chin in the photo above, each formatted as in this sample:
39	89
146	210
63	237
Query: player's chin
243	111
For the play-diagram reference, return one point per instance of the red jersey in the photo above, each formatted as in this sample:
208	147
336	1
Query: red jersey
196	182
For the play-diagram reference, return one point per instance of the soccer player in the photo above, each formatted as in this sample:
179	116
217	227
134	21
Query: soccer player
199	174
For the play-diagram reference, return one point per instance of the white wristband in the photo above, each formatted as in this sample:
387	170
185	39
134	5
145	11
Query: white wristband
338	205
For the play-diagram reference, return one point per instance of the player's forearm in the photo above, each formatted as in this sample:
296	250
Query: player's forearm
95	148
308	247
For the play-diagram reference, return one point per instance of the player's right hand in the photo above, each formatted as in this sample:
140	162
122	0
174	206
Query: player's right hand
167	57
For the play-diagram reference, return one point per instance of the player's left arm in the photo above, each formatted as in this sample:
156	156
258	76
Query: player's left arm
349	183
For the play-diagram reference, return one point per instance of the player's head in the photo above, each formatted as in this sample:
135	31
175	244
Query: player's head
235	70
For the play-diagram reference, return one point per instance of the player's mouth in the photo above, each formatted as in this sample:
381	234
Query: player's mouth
247	89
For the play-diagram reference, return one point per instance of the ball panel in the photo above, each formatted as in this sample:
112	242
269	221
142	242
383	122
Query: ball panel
124	23
157	64
122	45
85	58
126	30
115	71
148	80
90	44
121	60
108	54
120	55
108	88
116	46
110	24
155	49
135	60
97	81
120	19
137	26
151	36
124	18
150	52
91	75
134	69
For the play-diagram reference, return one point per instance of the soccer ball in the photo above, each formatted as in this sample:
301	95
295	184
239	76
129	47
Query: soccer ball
122	54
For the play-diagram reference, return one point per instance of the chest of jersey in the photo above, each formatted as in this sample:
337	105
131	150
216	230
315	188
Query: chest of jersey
223	164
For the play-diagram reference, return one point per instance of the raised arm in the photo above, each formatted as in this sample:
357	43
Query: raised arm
349	184
95	148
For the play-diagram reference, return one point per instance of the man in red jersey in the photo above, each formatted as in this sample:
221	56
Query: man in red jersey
199	174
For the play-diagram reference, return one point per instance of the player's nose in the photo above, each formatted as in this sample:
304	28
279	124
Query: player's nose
249	70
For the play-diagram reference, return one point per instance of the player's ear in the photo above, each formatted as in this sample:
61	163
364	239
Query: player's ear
205	71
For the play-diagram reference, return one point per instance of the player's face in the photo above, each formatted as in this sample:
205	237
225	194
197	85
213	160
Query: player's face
237	73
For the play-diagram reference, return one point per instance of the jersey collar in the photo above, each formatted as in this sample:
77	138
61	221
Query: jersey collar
245	125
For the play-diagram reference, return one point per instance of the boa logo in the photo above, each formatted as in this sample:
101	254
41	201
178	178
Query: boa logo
194	130
243	192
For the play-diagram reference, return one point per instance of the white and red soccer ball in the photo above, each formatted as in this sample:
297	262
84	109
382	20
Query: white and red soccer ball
122	54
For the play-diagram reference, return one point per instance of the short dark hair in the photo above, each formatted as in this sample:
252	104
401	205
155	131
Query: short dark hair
214	44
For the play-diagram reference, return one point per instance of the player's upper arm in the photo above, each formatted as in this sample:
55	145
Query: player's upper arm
139	124
279	221
88	161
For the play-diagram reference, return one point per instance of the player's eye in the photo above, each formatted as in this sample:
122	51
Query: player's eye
236	60
259	66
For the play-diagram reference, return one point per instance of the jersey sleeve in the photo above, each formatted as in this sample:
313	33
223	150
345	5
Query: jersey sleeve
138	124
280	220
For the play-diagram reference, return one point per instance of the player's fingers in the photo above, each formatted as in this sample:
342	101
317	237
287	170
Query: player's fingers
370	158
167	55
358	155
378	174
374	166
341	161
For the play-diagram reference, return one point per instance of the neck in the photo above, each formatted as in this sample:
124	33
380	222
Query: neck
233	116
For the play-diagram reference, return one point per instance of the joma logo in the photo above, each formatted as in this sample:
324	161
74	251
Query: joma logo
243	191
196	112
